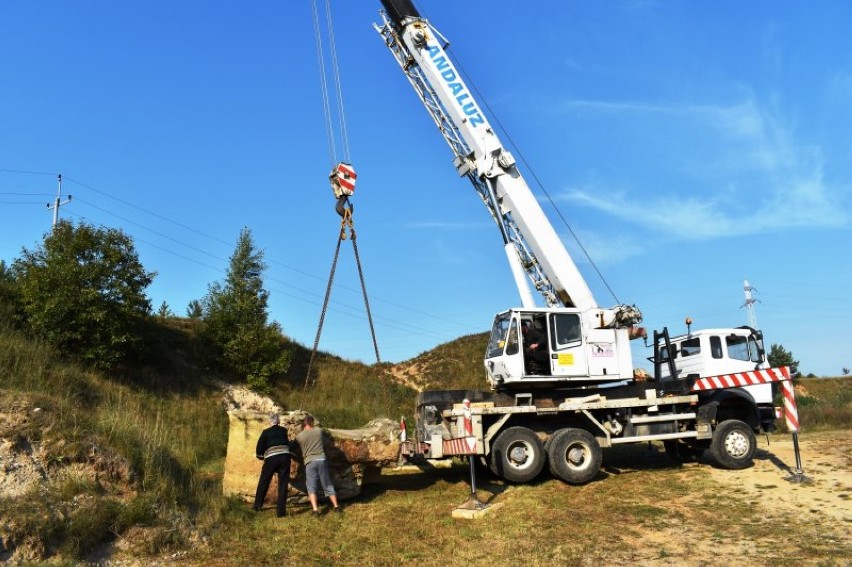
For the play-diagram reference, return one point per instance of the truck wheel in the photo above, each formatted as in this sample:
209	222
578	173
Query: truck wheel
517	455
575	455
733	444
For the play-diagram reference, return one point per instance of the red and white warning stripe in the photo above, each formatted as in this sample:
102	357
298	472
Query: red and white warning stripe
791	415
465	445
461	446
739	379
346	177
468	425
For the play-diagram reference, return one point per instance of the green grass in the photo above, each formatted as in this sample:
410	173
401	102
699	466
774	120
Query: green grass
827	403
407	519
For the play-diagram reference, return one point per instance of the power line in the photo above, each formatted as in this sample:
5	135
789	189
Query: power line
271	260
157	246
337	305
152	213
158	233
25	172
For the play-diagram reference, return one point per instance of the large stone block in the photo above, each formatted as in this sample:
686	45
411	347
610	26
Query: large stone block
350	454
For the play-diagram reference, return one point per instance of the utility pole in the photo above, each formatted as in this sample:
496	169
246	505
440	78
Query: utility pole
58	202
749	304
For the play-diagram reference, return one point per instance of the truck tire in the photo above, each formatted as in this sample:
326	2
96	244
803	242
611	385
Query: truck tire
575	455
733	444
517	455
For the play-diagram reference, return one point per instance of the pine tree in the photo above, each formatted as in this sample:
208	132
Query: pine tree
195	310
236	317
779	356
164	311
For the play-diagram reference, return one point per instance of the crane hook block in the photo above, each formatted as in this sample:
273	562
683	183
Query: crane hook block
342	179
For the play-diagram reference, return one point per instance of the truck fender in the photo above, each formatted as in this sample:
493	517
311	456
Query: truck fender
492	432
730	403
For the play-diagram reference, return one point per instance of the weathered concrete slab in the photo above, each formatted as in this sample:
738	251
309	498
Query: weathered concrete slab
465	512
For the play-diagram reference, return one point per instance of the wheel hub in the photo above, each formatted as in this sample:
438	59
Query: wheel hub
518	455
736	444
576	455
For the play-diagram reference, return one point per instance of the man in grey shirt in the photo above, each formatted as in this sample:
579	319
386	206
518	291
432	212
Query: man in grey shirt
316	467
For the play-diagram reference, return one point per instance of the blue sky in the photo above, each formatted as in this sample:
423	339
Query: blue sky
689	146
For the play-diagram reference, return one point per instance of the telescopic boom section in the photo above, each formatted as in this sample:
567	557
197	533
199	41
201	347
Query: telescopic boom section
532	245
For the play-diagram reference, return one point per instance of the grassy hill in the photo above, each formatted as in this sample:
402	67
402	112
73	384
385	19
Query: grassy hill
133	458
141	448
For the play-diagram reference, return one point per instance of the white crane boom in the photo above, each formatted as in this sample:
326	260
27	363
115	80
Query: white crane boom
532	244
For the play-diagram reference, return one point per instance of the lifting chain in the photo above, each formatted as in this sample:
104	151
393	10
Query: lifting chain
345	209
342	178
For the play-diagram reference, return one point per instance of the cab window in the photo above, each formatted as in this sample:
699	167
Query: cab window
566	329
690	347
754	353
512	344
737	347
716	347
499	332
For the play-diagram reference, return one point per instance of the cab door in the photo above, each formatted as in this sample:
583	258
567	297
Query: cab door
504	360
567	352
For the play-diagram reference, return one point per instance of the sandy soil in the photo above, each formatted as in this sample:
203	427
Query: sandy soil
826	461
819	505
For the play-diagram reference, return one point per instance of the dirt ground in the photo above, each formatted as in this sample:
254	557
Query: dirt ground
817	509
826	459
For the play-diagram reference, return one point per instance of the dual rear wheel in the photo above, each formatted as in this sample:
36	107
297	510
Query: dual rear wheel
518	455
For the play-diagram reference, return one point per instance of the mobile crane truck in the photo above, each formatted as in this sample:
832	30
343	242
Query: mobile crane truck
559	400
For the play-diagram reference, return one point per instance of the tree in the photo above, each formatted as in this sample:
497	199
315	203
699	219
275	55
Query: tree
236	314
195	310
10	306
779	356
164	311
83	290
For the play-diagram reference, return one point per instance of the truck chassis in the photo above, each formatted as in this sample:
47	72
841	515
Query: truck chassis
516	434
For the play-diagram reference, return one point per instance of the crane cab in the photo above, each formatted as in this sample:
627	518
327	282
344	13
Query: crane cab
552	346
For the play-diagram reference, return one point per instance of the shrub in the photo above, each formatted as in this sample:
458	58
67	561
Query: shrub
83	290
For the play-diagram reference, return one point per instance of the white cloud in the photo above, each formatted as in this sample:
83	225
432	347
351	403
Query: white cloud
609	249
751	176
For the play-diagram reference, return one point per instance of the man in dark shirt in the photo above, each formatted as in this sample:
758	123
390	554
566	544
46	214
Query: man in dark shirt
273	448
535	349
